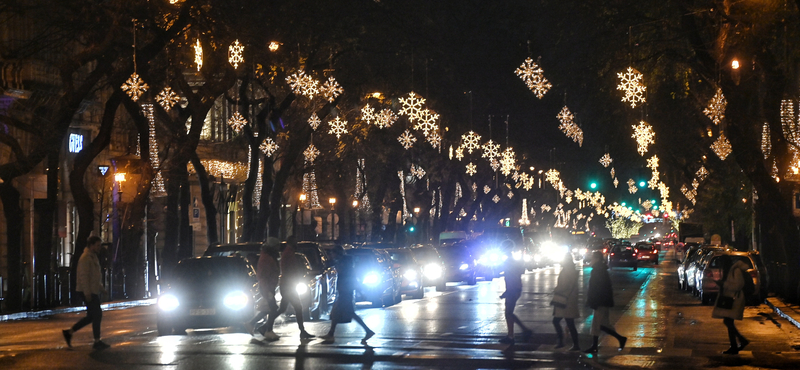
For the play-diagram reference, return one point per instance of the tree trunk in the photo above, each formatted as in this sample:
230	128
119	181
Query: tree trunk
44	261
208	200
14	216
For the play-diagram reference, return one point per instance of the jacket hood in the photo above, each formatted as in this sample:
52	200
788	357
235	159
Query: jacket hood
740	265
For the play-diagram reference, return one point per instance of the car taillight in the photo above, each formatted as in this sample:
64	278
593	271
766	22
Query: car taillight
655	251
634	254
612	254
605	250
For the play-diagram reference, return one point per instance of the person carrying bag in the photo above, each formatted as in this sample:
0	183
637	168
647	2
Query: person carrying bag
730	302
565	302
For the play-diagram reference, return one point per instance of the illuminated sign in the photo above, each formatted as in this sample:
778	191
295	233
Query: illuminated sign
75	143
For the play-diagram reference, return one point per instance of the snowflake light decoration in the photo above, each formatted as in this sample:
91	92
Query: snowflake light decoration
721	147
631	83
495	198
702	173
407	139
508	161
268	146
134	87
568	126
616	182
167	98
435	140
303	84
652	163
716	107
311	153
471	169
545	208
417	171
495	164
236	54
331	89
552	176
490	149
766	143
460	153
198	55
338	127
470	141
632	186
314	121
510	195
533	76
606	160
411	106
486	189
386	118
644	135
237	122
367	114
695	183
613	172
427	122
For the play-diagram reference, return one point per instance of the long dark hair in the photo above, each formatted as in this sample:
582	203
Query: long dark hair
726	262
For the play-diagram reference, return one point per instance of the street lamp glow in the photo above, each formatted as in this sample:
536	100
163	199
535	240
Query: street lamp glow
332	201
302	197
274	45
735	64
416	209
355	203
119	177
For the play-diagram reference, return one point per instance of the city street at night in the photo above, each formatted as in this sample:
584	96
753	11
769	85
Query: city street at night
459	328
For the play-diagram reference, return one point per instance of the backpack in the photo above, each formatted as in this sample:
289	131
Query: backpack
749	287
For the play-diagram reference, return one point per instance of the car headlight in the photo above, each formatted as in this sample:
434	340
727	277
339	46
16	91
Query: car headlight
168	302
235	300
549	244
526	258
492	258
584	250
517	255
371	279
301	288
463	266
410	275
537	258
432	271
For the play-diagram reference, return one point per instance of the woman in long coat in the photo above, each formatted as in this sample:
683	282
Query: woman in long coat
600	298
567	286
344	310
733	275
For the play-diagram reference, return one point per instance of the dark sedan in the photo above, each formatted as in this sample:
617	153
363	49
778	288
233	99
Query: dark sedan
623	255
324	275
410	269
459	264
377	280
432	266
207	292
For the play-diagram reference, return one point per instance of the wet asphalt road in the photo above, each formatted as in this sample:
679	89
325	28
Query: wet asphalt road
458	328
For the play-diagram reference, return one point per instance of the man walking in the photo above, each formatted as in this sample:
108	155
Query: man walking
268	274
513	275
89	283
291	274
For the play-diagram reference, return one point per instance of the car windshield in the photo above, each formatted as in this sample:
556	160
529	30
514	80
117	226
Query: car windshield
453	252
622	249
208	271
364	257
402	257
426	254
715	263
312	253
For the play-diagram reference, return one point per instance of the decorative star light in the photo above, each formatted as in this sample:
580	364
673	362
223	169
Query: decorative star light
702	173
435	140
508	161
236	54
695	183
616	182
460	153
486	189
631	83
644	135
417	171
568	126
331	89
367	114
606	160
533	76
766	143
495	164
311	153
167	98
545	208
407	139
495	198
237	122
386	118
198	55
652	163
314	121
632	186
716	107
471	169
134	87
552	176
338	127
427	122
269	146
411	106
490	149
721	147
470	141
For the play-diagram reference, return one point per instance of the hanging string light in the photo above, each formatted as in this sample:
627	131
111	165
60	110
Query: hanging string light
236	54
158	189
766	143
198	55
134	86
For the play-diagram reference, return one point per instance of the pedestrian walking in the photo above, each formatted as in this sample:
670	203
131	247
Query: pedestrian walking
268	273
565	302
514	268
89	284
344	309
730	302
601	299
292	274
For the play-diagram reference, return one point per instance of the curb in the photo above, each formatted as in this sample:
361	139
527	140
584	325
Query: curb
784	310
106	306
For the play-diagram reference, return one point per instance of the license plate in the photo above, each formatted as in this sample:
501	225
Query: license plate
202	311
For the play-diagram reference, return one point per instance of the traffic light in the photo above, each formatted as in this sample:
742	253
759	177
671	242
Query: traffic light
593	185
411	229
642	183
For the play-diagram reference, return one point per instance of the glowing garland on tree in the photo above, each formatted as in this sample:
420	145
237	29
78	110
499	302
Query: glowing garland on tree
158	189
198	55
310	189
236	54
644	135
716	107
631	83
766	143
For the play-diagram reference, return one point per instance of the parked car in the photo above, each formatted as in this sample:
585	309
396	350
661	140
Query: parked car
324	273
691	269
691	253
711	270
647	252
459	264
207	292
411	271
623	254
378	281
432	266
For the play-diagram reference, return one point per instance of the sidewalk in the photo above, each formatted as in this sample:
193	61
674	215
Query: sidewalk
118	305
789	312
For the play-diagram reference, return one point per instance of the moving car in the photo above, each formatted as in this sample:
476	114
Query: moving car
647	252
491	247
411	271
250	251
378	280
711	270
459	264
432	266
323	273
623	254
207	292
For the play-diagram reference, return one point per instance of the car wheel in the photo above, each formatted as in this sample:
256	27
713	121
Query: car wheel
441	287
398	297
472	280
419	294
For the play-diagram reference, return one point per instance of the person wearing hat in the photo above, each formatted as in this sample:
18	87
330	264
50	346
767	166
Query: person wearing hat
268	274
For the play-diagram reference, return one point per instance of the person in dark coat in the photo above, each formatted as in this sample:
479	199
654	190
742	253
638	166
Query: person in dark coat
268	274
291	274
731	285
600	298
567	286
344	308
514	269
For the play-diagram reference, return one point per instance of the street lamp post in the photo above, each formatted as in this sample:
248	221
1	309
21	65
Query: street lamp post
332	202
301	206
354	222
